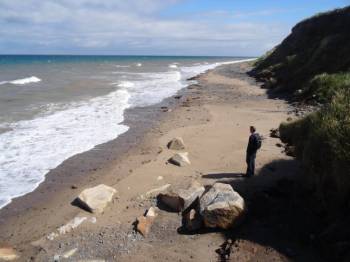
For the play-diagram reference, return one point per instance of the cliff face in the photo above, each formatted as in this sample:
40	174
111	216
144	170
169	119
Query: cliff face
320	44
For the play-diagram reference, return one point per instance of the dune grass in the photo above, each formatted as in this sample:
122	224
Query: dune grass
322	141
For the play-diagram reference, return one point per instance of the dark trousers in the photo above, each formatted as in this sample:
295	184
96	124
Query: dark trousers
250	159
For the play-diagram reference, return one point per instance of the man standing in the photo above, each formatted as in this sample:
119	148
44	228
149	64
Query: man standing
254	144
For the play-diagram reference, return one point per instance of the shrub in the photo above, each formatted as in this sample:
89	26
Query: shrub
322	142
324	86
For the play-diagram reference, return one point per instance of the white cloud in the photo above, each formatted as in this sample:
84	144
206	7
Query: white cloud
133	26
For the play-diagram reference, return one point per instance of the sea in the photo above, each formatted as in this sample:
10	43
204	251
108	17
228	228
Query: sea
54	107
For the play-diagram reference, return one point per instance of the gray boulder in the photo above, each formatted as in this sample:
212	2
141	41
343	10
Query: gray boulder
221	207
181	199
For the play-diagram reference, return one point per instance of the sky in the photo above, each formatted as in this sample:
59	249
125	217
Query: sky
151	27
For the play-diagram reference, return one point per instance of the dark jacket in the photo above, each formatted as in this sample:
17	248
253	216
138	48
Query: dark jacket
253	144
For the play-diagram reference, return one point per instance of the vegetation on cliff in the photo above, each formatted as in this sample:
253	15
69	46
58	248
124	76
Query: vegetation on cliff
312	65
318	45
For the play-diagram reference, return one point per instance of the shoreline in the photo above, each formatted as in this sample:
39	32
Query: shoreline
87	167
128	113
222	95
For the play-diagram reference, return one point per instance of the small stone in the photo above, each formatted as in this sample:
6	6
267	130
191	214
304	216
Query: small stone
180	159
176	143
192	220
152	212
144	225
70	253
7	253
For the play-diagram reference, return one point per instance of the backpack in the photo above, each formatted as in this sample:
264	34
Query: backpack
258	141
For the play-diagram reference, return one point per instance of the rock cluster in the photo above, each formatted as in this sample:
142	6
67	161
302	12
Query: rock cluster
181	158
218	207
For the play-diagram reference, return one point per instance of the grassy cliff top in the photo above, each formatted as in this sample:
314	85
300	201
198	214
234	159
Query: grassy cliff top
317	45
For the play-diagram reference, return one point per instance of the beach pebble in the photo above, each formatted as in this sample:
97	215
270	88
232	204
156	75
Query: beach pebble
176	143
7	253
180	159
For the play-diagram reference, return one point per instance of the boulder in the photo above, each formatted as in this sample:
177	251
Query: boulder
221	207
192	220
176	143
180	159
181	199
144	223
7	253
95	199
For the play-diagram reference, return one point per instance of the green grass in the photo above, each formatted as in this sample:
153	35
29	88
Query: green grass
324	86
322	142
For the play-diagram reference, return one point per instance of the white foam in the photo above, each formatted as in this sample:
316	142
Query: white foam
153	87
125	84
173	66
191	71
121	66
138	64
33	147
23	81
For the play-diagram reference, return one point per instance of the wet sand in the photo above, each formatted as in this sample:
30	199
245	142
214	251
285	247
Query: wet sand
213	117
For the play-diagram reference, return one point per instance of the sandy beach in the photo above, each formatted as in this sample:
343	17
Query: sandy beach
213	118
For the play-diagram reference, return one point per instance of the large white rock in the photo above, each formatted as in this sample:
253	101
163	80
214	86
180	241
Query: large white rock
180	159
181	199
7	253
176	143
95	199
221	207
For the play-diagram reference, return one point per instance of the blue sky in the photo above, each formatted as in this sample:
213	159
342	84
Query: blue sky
151	27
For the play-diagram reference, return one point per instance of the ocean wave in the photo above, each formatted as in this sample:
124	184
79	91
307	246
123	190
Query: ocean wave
121	66
139	64
126	84
33	147
23	81
173	66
